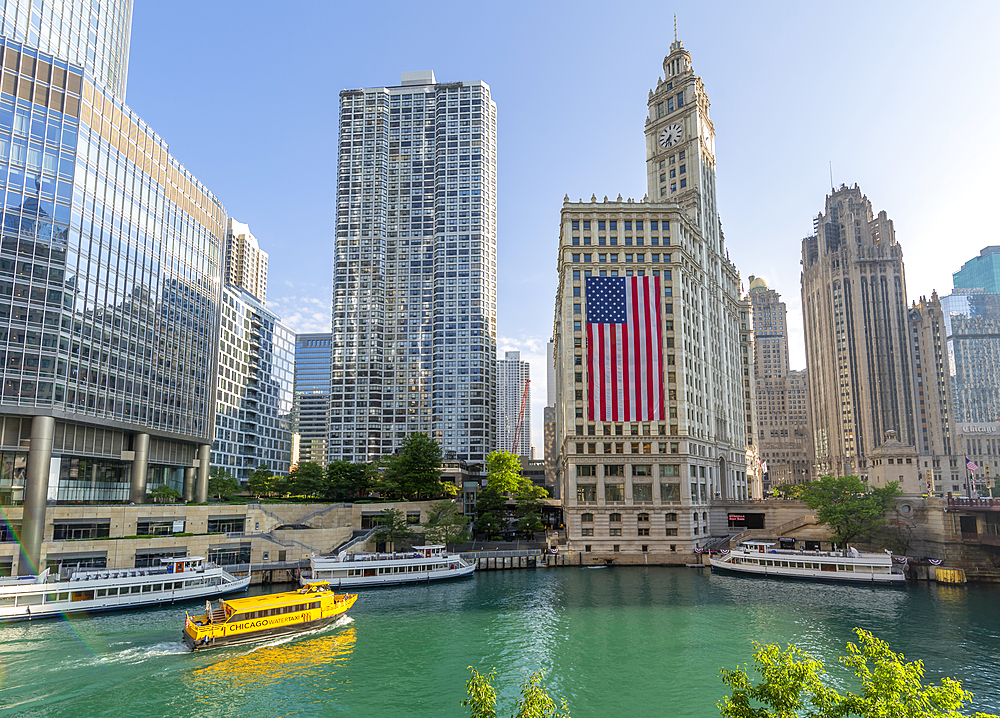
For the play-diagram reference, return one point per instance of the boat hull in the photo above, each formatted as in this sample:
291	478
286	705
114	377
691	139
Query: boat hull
889	579
262	635
55	609
391	579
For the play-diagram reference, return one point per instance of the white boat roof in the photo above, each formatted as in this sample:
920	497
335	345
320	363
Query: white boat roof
755	543
420	548
183	559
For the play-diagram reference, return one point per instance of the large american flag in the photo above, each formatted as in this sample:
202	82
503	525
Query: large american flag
624	349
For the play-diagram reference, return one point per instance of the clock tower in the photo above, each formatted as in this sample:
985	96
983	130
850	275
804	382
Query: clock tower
680	144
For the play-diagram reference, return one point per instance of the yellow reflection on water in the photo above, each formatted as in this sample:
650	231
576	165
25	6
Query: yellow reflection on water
269	665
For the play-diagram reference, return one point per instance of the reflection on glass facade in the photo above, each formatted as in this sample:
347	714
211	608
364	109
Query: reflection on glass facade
982	272
972	321
92	33
312	396
254	391
414	305
109	282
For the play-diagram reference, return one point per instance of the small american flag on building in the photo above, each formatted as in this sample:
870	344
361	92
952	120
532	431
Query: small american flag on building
969	464
624	349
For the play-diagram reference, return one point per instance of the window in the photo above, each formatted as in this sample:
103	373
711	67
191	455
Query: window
643	531
586	224
670	469
614	470
614	532
78	529
670	492
600	226
642	493
576	224
614	492
642	470
670	518
671	532
576	308
586	470
576	275
576	260
659	109
587	518
615	518
586	492
577	326
587	532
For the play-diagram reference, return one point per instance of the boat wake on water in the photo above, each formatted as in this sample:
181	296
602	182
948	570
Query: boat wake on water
129	655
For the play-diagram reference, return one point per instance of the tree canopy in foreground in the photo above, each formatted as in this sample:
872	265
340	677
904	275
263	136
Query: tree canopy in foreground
792	686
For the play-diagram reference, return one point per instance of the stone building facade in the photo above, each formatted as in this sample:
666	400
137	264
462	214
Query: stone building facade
638	468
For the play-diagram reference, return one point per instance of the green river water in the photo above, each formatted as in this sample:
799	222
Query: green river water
634	641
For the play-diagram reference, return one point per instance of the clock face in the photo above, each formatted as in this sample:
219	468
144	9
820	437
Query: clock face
671	135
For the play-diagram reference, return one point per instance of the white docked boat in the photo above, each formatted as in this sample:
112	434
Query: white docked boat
89	590
758	558
423	563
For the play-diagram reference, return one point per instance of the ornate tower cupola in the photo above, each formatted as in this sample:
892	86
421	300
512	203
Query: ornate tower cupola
680	144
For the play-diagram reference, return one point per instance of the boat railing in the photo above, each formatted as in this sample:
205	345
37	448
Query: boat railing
805	552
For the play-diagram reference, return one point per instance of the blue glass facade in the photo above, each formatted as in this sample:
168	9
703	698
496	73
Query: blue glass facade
312	396
109	283
982	272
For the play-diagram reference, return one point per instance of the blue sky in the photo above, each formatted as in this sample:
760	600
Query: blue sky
902	98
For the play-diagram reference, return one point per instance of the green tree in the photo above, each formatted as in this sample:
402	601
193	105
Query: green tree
446	524
347	480
491	510
261	480
528	507
534	701
221	482
165	493
307	479
393	527
504	471
848	506
792	685
416	470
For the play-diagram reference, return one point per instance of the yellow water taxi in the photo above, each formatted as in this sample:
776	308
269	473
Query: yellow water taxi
243	620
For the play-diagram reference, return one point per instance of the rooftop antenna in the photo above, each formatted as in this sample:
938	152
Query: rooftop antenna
675	27
831	176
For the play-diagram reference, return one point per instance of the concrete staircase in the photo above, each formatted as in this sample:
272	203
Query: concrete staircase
796	523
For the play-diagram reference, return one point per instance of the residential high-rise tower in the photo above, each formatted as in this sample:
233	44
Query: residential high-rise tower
414	298
246	263
512	382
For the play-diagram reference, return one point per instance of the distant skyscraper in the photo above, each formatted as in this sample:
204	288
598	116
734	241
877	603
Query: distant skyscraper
972	320
246	264
782	408
414	300
111	304
312	396
857	354
255	388
982	272
932	371
512	380
650	410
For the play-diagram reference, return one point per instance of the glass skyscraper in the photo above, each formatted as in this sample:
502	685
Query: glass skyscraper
414	305
982	272
109	277
312	397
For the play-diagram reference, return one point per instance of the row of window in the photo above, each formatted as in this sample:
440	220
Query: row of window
603	241
627	258
612	225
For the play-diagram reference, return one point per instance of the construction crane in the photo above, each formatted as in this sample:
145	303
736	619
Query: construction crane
520	418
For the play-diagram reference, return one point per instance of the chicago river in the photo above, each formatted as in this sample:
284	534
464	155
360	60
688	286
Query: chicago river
649	641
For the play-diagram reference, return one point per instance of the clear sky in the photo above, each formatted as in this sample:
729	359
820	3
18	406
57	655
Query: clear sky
902	97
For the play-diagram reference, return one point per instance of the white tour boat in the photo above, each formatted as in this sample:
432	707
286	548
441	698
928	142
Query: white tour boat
89	590
423	563
758	558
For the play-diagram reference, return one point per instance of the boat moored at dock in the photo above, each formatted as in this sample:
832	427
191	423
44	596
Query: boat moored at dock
758	558
243	620
423	563
90	590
